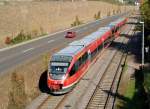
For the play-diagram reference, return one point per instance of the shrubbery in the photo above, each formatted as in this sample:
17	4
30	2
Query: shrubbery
22	36
98	15
76	22
8	40
145	11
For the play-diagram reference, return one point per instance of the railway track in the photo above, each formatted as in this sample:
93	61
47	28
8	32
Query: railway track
104	94
52	102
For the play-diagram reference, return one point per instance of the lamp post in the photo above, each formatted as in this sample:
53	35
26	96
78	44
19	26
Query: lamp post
142	45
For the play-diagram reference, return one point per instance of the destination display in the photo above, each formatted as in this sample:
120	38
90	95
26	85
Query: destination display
61	58
59	64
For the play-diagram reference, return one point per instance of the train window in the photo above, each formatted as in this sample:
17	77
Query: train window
85	57
80	61
100	47
94	53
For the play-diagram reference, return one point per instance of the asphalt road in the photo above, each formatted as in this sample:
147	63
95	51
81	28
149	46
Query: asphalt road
10	58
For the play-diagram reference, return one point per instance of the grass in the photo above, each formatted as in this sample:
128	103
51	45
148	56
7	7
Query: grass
134	96
17	96
147	80
125	67
130	89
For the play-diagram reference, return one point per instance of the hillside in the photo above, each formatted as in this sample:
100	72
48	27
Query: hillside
49	16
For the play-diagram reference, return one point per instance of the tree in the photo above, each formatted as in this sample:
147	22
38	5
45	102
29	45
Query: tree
145	11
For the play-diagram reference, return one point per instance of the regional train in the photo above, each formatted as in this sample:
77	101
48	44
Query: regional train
68	65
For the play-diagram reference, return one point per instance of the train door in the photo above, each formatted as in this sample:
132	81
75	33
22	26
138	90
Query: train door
102	42
89	55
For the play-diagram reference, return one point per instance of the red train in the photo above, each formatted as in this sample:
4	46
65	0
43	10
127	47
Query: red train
68	66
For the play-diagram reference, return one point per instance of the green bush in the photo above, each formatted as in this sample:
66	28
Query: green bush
147	80
148	38
145	12
76	22
98	15
21	37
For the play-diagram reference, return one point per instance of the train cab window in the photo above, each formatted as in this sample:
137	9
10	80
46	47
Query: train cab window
74	68
72	72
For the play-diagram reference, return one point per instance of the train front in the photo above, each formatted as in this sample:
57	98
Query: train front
57	73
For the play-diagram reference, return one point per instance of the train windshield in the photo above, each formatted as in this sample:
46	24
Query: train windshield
58	67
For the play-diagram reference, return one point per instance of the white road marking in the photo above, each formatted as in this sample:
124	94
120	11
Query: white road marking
28	50
50	41
81	29
78	31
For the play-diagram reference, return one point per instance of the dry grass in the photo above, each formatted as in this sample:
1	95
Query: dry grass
47	16
26	82
30	74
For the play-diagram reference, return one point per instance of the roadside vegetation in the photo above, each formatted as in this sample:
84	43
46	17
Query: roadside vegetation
134	96
17	96
18	38
97	15
76	22
145	9
22	36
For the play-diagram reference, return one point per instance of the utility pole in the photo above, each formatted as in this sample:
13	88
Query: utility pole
142	45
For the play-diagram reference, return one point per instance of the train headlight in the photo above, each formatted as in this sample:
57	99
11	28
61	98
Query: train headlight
63	77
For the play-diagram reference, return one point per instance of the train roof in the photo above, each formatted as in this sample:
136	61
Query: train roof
83	42
98	33
93	36
115	22
69	51
104	29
